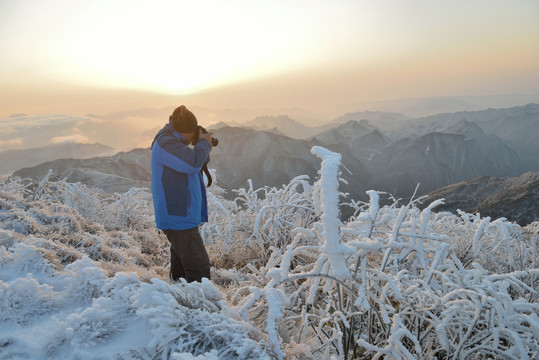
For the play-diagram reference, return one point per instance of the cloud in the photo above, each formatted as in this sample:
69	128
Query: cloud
119	130
23	131
4	145
77	138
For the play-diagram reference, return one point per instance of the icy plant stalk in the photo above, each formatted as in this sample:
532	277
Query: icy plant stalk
329	209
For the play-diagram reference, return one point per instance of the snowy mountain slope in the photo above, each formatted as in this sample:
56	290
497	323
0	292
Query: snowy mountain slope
12	160
516	199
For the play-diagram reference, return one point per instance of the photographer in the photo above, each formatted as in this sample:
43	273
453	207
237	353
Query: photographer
179	194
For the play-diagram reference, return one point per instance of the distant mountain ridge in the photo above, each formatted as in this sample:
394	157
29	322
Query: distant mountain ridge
344	133
284	124
12	160
427	106
295	129
381	119
518	126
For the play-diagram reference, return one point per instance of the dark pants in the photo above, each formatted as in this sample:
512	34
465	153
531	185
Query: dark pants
188	256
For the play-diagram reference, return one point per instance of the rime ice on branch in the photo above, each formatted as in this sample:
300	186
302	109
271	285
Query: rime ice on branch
328	188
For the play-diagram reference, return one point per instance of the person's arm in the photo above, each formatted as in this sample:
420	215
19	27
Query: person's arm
182	158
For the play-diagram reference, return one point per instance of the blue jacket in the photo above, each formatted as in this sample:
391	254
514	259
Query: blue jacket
179	193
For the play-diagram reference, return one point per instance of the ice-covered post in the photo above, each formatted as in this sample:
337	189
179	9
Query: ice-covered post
329	209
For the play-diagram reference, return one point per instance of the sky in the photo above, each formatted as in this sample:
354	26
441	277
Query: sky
104	56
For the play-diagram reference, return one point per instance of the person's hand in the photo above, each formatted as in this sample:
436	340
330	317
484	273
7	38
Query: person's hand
207	136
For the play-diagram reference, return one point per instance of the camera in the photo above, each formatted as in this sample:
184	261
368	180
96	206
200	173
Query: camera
214	141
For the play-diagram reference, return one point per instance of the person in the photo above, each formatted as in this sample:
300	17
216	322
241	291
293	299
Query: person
179	193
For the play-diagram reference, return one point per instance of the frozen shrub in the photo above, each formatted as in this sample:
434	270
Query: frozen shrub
257	220
24	300
130	210
81	198
211	355
197	328
83	281
7	238
22	258
396	282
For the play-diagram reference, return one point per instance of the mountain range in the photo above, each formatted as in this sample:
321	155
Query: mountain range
389	153
518	126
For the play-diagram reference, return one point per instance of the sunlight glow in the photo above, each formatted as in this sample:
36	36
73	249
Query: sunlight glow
181	48
308	53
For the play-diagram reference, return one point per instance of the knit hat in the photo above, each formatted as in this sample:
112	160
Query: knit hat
184	121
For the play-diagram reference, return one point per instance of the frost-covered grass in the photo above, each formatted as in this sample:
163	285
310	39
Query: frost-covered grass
83	275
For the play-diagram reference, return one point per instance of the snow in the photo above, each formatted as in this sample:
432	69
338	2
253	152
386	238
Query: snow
80	313
83	276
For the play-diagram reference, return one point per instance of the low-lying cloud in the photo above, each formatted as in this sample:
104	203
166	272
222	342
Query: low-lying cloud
77	138
123	133
23	131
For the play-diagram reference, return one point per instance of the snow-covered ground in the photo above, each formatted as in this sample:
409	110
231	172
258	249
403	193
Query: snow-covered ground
83	275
